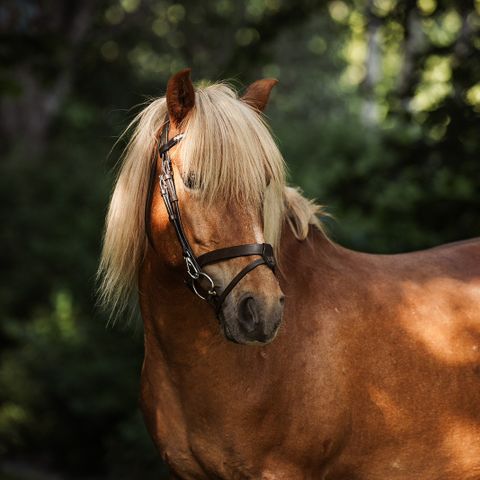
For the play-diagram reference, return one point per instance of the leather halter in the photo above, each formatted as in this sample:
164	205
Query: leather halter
194	265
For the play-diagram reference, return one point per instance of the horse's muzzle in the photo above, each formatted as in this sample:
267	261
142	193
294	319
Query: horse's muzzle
252	319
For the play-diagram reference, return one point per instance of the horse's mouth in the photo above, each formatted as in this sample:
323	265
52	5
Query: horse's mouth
240	339
228	334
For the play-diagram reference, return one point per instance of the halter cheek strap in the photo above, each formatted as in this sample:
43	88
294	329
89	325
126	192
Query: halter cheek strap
197	279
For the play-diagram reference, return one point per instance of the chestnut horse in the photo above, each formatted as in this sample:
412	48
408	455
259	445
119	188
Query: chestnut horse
370	369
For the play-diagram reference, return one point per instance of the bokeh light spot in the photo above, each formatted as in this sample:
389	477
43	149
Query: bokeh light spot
427	7
444	30
339	11
317	45
114	15
110	50
176	13
246	36
255	9
160	27
473	97
384	7
130	5
224	7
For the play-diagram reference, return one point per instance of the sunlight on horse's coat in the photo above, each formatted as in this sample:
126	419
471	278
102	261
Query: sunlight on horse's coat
395	416
442	335
462	442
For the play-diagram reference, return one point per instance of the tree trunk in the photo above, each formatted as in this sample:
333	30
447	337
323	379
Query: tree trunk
373	66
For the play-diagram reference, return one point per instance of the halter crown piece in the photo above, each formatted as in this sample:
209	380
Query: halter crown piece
197	279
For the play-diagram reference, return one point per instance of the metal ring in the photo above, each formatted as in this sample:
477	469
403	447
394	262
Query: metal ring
211	290
192	269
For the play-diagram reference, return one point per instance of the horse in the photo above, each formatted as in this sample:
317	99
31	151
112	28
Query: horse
319	362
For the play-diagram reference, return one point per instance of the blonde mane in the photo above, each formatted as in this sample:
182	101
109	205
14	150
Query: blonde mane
229	149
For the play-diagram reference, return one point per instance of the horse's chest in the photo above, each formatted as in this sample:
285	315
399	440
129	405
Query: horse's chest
238	445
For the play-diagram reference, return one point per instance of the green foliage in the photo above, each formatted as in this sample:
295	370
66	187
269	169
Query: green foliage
69	390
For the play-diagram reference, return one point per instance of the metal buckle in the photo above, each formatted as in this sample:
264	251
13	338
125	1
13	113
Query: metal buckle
177	138
163	185
211	291
167	189
267	254
192	270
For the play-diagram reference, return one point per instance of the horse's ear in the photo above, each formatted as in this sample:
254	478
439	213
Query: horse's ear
258	92
180	96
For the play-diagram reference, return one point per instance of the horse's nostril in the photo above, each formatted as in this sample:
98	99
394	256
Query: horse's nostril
282	300
249	314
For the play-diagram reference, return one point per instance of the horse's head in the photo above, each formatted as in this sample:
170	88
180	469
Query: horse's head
228	177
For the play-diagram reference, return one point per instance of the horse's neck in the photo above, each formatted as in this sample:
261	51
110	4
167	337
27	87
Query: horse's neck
184	334
306	257
195	382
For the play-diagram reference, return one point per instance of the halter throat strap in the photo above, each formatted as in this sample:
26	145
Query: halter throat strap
197	279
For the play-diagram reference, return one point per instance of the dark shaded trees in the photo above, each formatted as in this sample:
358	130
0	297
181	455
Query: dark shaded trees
377	113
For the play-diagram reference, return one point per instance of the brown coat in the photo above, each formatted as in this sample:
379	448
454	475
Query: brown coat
374	374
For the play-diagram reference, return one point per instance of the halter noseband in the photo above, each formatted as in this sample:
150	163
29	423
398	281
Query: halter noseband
194	264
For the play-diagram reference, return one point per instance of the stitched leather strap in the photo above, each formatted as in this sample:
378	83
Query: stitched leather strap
215	256
237	278
163	149
193	264
265	250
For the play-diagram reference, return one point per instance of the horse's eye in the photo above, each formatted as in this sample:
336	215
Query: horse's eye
189	181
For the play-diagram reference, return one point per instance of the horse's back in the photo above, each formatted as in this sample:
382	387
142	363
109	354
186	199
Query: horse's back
419	366
473	243
442	285
459	259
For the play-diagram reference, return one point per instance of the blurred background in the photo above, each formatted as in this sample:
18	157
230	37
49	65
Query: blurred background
377	113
